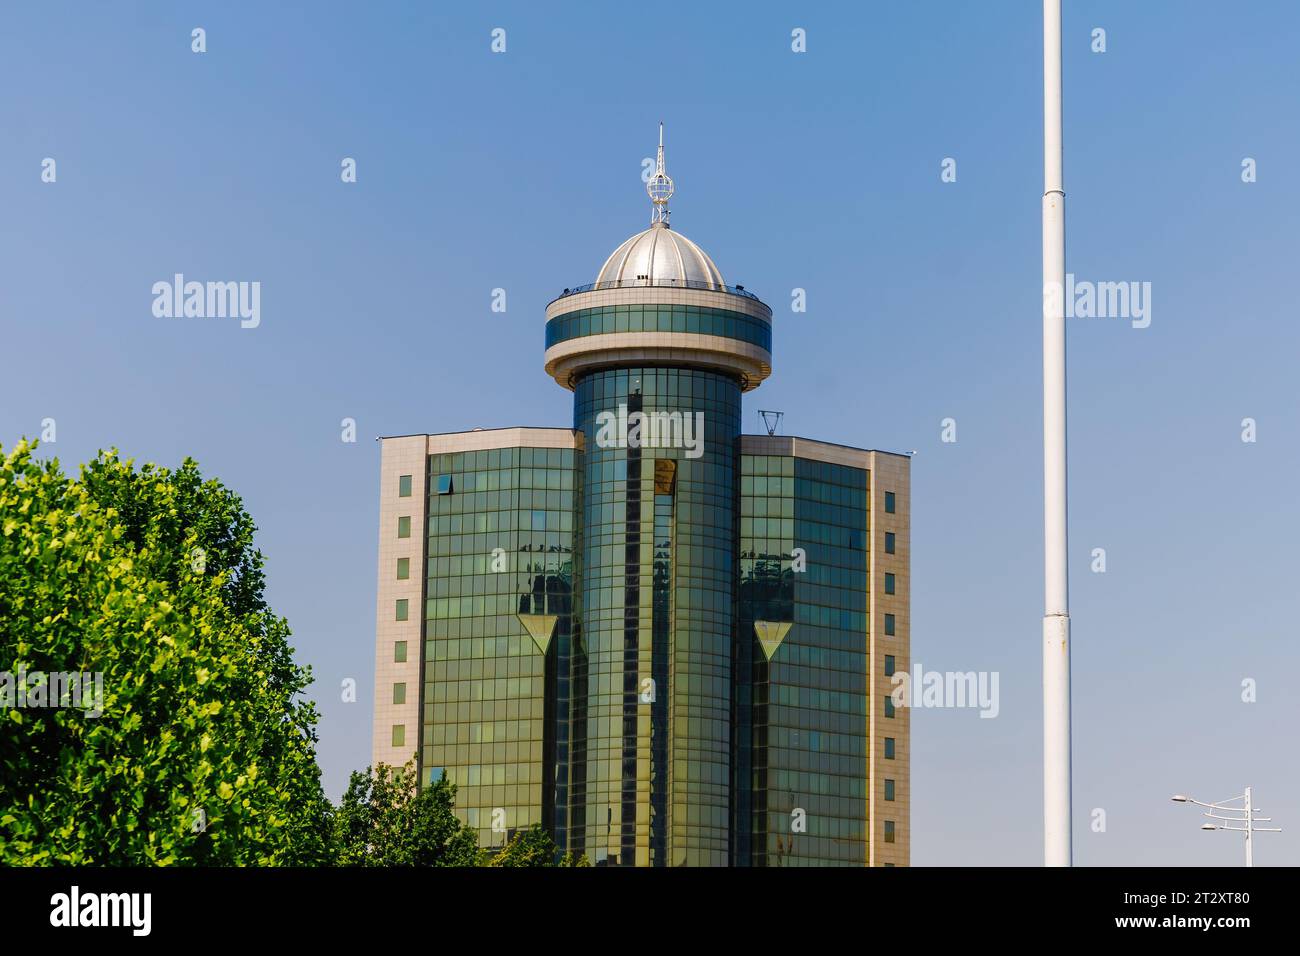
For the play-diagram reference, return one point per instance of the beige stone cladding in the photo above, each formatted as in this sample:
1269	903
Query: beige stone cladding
394	639
890	474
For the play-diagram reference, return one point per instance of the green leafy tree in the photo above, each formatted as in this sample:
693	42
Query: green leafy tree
387	819
534	847
527	848
205	750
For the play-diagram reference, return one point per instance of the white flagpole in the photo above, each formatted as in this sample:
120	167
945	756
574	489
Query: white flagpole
1056	619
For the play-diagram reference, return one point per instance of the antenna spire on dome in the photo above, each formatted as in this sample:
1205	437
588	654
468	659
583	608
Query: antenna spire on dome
660	186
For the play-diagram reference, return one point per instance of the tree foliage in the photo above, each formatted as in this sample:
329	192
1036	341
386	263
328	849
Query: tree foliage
527	848
205	751
387	819
534	847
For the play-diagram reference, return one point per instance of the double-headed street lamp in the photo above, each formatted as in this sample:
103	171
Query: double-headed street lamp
1245	814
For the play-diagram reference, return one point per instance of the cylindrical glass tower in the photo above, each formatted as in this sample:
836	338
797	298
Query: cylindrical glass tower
657	352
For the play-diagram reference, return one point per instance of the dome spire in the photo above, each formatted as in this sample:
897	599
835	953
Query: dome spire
660	187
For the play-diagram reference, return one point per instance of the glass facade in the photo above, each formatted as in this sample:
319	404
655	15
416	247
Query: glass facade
594	652
802	715
659	318
657	533
499	558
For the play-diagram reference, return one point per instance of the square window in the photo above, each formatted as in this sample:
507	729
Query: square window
402	609
444	484
889	748
889	542
889	789
399	652
889	582
889	665
539	520
889	625
403	568
404	526
399	697
404	486
399	735
889	502
889	831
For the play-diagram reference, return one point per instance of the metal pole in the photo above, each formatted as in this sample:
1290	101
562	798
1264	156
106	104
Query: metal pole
1056	619
1250	820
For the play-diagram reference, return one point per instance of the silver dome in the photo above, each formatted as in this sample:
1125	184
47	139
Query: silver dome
660	256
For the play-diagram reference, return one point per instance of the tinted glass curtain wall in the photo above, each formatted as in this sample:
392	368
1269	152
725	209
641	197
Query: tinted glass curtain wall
657	747
500	546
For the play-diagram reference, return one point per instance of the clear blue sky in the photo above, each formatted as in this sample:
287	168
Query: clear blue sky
819	171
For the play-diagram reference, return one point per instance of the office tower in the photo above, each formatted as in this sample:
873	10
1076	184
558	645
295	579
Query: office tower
669	642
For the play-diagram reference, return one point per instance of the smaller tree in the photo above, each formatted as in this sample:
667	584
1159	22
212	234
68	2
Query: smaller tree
531	847
387	819
534	847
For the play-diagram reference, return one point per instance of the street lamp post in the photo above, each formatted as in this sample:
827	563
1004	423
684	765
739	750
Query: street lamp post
1244	814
